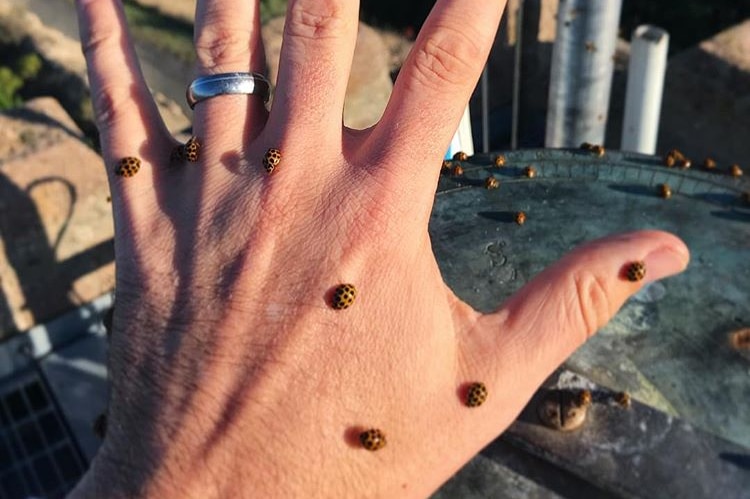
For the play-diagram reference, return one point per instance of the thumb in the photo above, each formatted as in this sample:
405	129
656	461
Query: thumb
540	326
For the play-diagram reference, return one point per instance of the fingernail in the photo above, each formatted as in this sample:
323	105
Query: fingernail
664	262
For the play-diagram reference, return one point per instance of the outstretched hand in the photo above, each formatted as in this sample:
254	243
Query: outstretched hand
232	374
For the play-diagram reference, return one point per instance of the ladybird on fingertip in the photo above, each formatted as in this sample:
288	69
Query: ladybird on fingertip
636	271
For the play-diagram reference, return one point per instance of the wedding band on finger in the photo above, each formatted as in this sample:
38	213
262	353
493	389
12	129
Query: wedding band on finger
209	86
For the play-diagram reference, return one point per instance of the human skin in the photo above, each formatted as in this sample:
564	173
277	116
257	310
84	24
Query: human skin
232	376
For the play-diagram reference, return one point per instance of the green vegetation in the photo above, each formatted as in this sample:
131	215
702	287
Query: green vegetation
175	36
14	74
271	8
161	32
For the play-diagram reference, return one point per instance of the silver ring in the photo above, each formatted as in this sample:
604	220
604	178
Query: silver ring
206	87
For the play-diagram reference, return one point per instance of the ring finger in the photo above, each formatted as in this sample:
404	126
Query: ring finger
227	39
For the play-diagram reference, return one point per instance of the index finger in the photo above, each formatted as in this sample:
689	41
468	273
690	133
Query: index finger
126	114
438	77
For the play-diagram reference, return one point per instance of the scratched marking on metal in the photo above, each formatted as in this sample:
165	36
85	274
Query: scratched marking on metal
668	346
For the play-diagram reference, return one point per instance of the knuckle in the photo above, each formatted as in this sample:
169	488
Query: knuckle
108	100
592	303
322	20
446	59
215	48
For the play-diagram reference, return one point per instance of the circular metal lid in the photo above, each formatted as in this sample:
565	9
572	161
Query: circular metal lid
671	345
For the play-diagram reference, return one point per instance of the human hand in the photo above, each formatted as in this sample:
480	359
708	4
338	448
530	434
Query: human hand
231	373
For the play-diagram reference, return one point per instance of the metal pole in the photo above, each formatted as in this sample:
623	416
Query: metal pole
646	72
485	111
582	68
517	78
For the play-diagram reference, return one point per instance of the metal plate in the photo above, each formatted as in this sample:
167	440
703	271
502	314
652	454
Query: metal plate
669	345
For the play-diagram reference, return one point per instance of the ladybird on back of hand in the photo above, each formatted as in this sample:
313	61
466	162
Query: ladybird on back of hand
476	395
271	159
372	439
127	167
343	296
191	149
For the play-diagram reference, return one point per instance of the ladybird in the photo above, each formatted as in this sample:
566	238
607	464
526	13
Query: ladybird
665	191
623	399
598	151
499	161
457	171
521	218
674	157
684	163
529	172
460	156
491	182
344	296
476	395
127	167
636	271
735	170
271	159
586	146
584	398
192	146
740	339
372	439
99	426
446	166
709	164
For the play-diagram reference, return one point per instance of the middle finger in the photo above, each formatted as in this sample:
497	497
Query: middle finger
316	58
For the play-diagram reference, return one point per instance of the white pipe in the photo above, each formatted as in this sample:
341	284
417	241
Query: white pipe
646	72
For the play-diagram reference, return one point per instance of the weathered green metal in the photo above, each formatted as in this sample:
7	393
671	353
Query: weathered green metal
669	346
